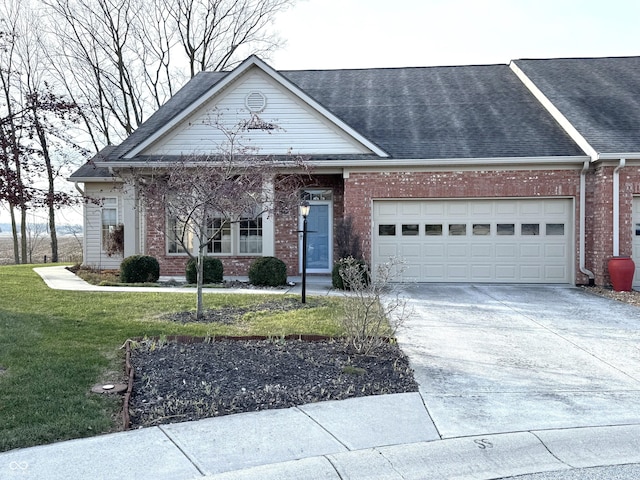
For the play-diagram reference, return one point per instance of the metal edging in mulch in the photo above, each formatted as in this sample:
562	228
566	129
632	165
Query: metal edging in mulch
188	339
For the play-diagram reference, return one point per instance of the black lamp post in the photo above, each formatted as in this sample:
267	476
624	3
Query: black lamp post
304	211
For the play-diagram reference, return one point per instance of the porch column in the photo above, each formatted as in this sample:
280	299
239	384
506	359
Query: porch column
268	221
130	220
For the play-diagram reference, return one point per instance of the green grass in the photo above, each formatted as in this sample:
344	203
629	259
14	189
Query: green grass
55	345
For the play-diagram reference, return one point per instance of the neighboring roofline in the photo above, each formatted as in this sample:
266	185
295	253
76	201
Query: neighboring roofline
564	123
398	162
618	156
92	179
231	77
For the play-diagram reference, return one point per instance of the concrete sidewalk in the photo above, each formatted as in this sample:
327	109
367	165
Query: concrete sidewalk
391	436
59	278
384	437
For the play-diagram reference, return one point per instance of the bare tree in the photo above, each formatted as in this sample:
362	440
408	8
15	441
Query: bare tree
216	33
203	195
121	59
17	194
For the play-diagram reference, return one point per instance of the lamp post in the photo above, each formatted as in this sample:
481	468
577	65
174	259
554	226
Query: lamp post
304	211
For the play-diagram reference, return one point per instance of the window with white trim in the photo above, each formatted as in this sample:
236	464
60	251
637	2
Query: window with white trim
219	231
250	235
109	215
179	238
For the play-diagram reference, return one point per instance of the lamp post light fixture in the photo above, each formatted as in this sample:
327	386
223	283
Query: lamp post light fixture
304	211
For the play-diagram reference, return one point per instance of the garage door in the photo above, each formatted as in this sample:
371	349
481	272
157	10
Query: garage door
511	241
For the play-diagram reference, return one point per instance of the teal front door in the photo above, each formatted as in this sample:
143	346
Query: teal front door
319	238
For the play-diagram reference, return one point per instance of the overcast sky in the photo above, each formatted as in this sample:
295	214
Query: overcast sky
325	34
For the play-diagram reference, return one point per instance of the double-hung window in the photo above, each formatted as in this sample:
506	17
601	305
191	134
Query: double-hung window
179	236
250	231
109	219
219	233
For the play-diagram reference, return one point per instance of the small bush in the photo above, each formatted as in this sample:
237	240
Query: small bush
268	271
372	310
337	279
139	269
212	270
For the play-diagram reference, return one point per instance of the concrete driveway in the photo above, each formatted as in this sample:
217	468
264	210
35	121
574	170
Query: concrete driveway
495	358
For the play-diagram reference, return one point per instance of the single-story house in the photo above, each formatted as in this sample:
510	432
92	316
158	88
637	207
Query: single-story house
520	173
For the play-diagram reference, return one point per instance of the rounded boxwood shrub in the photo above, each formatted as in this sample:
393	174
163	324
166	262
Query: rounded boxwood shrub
349	262
268	271
212	270
139	269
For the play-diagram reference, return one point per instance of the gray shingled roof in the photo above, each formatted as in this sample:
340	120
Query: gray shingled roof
414	113
440	112
599	96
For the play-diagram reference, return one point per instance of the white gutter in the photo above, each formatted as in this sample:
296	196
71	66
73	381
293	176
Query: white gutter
390	162
616	208
583	240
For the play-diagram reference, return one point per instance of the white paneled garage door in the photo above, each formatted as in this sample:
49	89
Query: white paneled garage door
510	241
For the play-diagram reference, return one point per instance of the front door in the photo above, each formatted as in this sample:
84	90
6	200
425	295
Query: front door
319	237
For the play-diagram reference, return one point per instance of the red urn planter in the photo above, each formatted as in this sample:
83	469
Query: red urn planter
621	270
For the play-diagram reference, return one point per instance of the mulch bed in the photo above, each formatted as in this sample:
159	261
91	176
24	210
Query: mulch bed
176	382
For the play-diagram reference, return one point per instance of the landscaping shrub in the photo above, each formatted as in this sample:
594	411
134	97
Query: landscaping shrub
268	271
139	269
372	310
337	279
212	270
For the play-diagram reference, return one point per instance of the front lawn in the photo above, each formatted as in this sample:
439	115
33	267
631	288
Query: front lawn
55	345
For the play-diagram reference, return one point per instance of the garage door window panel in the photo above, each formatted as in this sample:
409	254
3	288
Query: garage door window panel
555	229
387	230
530	229
410	230
433	230
457	229
506	229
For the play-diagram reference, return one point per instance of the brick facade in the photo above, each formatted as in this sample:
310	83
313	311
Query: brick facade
354	195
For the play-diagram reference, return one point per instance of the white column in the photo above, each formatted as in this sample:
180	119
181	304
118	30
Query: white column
130	220
268	222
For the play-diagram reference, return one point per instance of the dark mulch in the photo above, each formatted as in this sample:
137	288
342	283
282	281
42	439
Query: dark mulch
180	382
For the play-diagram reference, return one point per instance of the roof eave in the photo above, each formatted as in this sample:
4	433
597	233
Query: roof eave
405	162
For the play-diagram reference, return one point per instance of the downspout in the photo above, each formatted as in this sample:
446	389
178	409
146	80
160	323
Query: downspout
583	202
75	184
616	208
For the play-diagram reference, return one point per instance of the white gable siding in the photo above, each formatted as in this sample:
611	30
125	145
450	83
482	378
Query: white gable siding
94	256
301	129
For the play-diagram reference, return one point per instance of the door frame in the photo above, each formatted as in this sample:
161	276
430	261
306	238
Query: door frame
329	204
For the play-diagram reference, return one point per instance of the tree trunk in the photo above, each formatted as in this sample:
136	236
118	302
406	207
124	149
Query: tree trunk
14	232
42	137
23	232
200	281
